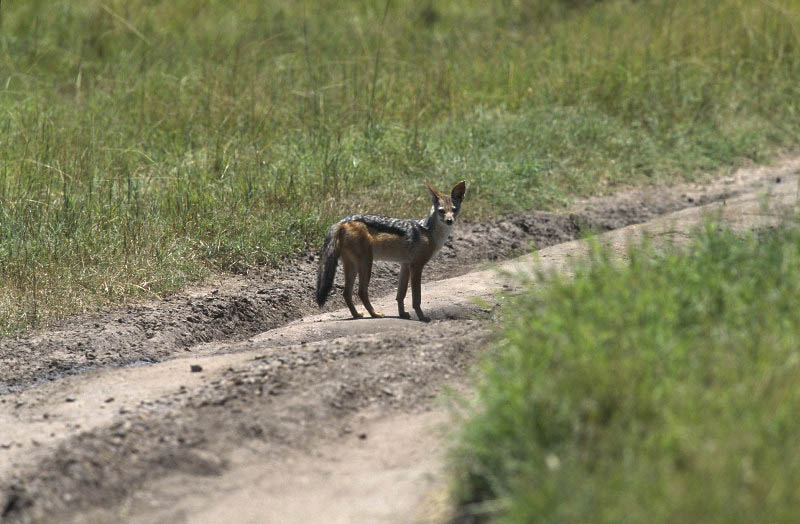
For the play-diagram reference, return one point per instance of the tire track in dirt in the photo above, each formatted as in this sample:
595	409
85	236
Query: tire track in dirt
255	402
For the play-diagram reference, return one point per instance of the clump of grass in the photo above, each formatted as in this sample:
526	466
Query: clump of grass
659	390
146	144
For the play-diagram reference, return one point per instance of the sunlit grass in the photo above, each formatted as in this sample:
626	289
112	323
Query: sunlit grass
659	390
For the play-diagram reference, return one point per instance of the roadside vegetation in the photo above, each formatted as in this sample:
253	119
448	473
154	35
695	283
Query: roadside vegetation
145	144
664	389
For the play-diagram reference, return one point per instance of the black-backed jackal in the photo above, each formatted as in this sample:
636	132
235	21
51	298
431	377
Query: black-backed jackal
360	239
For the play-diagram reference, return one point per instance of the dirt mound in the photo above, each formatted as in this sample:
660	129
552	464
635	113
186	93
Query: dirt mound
238	307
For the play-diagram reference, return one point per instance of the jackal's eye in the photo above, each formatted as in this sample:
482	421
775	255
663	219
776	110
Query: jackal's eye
441	211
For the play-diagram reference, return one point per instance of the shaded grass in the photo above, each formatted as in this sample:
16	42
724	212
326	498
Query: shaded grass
658	390
144	144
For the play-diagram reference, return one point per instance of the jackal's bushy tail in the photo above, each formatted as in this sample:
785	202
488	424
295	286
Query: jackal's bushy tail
328	260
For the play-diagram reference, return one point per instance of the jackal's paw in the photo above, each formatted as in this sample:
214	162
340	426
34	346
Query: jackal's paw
422	317
405	314
376	314
358	314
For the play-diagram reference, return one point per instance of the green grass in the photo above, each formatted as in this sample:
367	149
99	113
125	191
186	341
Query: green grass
664	389
145	144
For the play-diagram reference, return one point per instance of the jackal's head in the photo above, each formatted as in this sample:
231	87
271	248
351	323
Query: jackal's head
446	208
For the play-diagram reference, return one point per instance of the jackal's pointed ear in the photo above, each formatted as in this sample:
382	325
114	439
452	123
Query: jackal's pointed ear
435	195
459	191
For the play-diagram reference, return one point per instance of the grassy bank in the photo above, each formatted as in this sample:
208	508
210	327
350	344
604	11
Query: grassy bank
144	144
662	390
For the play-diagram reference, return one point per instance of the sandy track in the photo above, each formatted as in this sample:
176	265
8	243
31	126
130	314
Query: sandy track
323	418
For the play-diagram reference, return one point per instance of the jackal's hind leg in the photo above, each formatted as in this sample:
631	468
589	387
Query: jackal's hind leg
349	279
364	274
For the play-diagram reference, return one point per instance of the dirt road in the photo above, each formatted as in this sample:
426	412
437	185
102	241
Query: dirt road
314	417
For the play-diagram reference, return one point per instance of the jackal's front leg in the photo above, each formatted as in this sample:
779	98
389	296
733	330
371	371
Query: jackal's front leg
402	287
416	292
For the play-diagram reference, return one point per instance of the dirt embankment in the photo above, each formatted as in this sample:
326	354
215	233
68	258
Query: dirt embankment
234	308
142	441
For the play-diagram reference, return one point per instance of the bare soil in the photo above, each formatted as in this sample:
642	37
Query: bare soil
289	414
